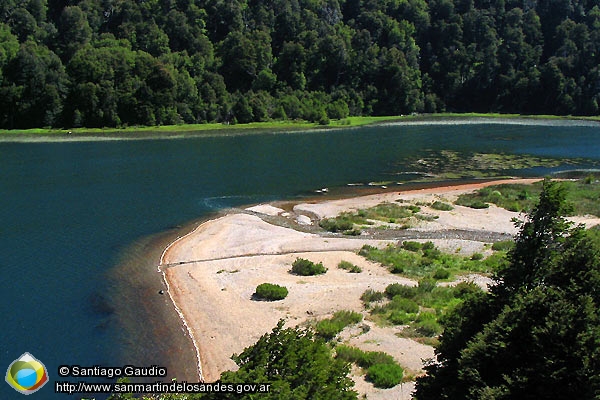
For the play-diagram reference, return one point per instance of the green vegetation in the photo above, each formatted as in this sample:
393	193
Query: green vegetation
416	260
348	266
306	267
584	195
127	63
448	164
370	296
329	328
419	307
295	364
385	375
535	335
513	197
342	223
504	245
381	368
393	213
439	205
270	292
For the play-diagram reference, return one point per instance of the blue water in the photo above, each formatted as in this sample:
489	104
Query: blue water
68	209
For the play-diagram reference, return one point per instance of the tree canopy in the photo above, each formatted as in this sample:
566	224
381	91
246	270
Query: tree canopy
536	335
126	62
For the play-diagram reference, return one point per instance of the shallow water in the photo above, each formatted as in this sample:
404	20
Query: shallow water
72	211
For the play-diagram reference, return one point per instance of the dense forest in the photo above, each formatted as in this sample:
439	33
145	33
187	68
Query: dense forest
71	63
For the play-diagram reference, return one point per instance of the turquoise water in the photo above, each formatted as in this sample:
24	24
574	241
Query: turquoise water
68	210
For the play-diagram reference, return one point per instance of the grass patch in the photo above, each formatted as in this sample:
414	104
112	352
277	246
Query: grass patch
348	266
420	308
416	260
583	194
329	328
393	213
381	368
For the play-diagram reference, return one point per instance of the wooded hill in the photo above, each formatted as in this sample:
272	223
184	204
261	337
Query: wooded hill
70	63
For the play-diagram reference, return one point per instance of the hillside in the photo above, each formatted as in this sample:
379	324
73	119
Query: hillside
71	63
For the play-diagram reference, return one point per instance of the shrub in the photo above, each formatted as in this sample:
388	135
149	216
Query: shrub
464	289
328	328
438	205
432	253
402	304
411	246
397	269
396	289
477	256
441	273
348	266
426	285
305	267
371	295
400	317
385	375
336	224
271	292
427	327
504	245
428	246
366	250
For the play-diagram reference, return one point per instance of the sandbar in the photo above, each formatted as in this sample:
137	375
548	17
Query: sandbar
213	271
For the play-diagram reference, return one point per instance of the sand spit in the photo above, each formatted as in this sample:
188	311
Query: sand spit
213	272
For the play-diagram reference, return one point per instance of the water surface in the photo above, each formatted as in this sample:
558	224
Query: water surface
71	211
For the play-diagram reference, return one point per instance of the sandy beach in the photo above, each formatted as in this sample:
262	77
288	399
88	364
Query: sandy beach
213	272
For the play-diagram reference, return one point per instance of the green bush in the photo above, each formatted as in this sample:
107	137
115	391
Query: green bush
348	266
441	273
396	289
428	246
399	303
464	289
477	257
385	375
504	245
411	246
438	205
426	285
399	317
336	224
329	328
271	292
366	250
305	267
426	326
371	295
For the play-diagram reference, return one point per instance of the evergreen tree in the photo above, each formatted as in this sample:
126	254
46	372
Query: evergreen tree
537	334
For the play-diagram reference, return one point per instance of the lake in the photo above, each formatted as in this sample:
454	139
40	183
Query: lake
76	215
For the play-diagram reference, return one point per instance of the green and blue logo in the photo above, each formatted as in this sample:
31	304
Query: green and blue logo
26	374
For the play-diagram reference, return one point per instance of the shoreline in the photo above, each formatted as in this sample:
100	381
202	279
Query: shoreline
225	257
174	302
177	299
278	127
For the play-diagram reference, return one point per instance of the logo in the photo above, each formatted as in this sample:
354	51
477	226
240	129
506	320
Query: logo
26	374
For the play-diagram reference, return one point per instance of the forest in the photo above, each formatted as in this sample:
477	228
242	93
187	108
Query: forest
119	63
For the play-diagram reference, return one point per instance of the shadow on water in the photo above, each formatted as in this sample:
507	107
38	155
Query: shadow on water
150	331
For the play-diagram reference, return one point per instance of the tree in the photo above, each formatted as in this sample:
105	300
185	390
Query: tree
295	364
537	334
74	31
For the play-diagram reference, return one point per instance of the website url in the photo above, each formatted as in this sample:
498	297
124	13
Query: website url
158	387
